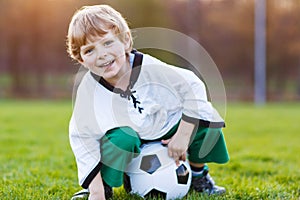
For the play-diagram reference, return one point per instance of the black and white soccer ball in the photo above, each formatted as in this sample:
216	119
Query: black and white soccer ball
153	173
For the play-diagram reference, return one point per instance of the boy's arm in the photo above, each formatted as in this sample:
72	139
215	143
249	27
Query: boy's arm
96	188
178	144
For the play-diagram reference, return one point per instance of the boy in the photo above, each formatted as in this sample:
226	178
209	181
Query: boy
127	98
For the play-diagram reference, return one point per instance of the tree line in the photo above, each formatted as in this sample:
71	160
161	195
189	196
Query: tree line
34	62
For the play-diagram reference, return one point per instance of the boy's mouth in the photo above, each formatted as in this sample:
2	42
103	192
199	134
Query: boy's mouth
107	64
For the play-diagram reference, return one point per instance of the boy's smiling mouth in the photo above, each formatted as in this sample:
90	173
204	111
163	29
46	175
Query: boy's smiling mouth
107	64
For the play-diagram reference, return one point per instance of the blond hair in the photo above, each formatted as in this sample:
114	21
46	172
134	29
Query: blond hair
91	21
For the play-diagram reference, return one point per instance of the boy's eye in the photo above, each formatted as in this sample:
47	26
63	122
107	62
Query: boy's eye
108	42
88	51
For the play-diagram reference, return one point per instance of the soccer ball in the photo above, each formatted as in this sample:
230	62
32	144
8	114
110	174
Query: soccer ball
153	173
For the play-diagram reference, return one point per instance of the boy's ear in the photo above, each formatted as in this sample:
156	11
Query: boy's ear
80	61
127	40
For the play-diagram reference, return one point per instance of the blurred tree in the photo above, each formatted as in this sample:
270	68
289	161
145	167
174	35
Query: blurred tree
33	44
283	47
225	30
33	33
13	50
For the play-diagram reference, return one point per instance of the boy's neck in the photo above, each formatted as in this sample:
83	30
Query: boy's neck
123	83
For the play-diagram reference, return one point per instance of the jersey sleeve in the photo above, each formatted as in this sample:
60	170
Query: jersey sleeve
189	89
87	154
196	107
85	134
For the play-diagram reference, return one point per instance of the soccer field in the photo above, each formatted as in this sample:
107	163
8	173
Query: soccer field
37	161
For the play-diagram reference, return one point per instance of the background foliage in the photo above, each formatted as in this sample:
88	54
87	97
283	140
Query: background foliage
34	63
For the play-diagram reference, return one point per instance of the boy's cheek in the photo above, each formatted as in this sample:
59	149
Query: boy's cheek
97	71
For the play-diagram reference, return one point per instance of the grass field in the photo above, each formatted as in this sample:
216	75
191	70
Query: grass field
36	161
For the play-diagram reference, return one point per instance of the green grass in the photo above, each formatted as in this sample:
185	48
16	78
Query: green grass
36	161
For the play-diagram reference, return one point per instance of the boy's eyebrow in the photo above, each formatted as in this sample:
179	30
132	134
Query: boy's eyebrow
85	47
82	48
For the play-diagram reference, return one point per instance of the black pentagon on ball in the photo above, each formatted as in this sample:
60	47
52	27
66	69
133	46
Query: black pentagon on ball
155	194
150	164
182	174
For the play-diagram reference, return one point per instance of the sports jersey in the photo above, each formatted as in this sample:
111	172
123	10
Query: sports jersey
157	97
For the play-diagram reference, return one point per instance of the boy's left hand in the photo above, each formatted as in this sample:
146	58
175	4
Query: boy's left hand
175	151
178	144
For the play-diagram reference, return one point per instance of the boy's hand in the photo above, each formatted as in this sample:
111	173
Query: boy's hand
178	144
173	154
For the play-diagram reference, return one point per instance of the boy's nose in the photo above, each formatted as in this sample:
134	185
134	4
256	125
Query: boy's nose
101	54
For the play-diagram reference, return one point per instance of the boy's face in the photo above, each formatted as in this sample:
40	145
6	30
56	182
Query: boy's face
105	56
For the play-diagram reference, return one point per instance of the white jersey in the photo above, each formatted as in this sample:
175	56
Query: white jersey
159	95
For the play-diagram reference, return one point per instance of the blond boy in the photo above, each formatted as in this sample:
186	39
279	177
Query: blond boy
127	98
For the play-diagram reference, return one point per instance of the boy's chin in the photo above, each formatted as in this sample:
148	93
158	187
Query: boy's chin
97	73
107	76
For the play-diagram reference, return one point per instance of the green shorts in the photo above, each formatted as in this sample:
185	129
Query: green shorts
207	145
120	145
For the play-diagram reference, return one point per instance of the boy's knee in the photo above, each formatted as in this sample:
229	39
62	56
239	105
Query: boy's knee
125	138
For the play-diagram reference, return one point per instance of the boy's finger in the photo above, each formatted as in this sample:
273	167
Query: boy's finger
183	157
170	153
164	142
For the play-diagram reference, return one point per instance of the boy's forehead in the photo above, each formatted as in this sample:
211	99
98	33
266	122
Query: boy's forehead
99	38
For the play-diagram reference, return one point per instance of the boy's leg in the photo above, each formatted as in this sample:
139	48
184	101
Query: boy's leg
118	147
208	145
